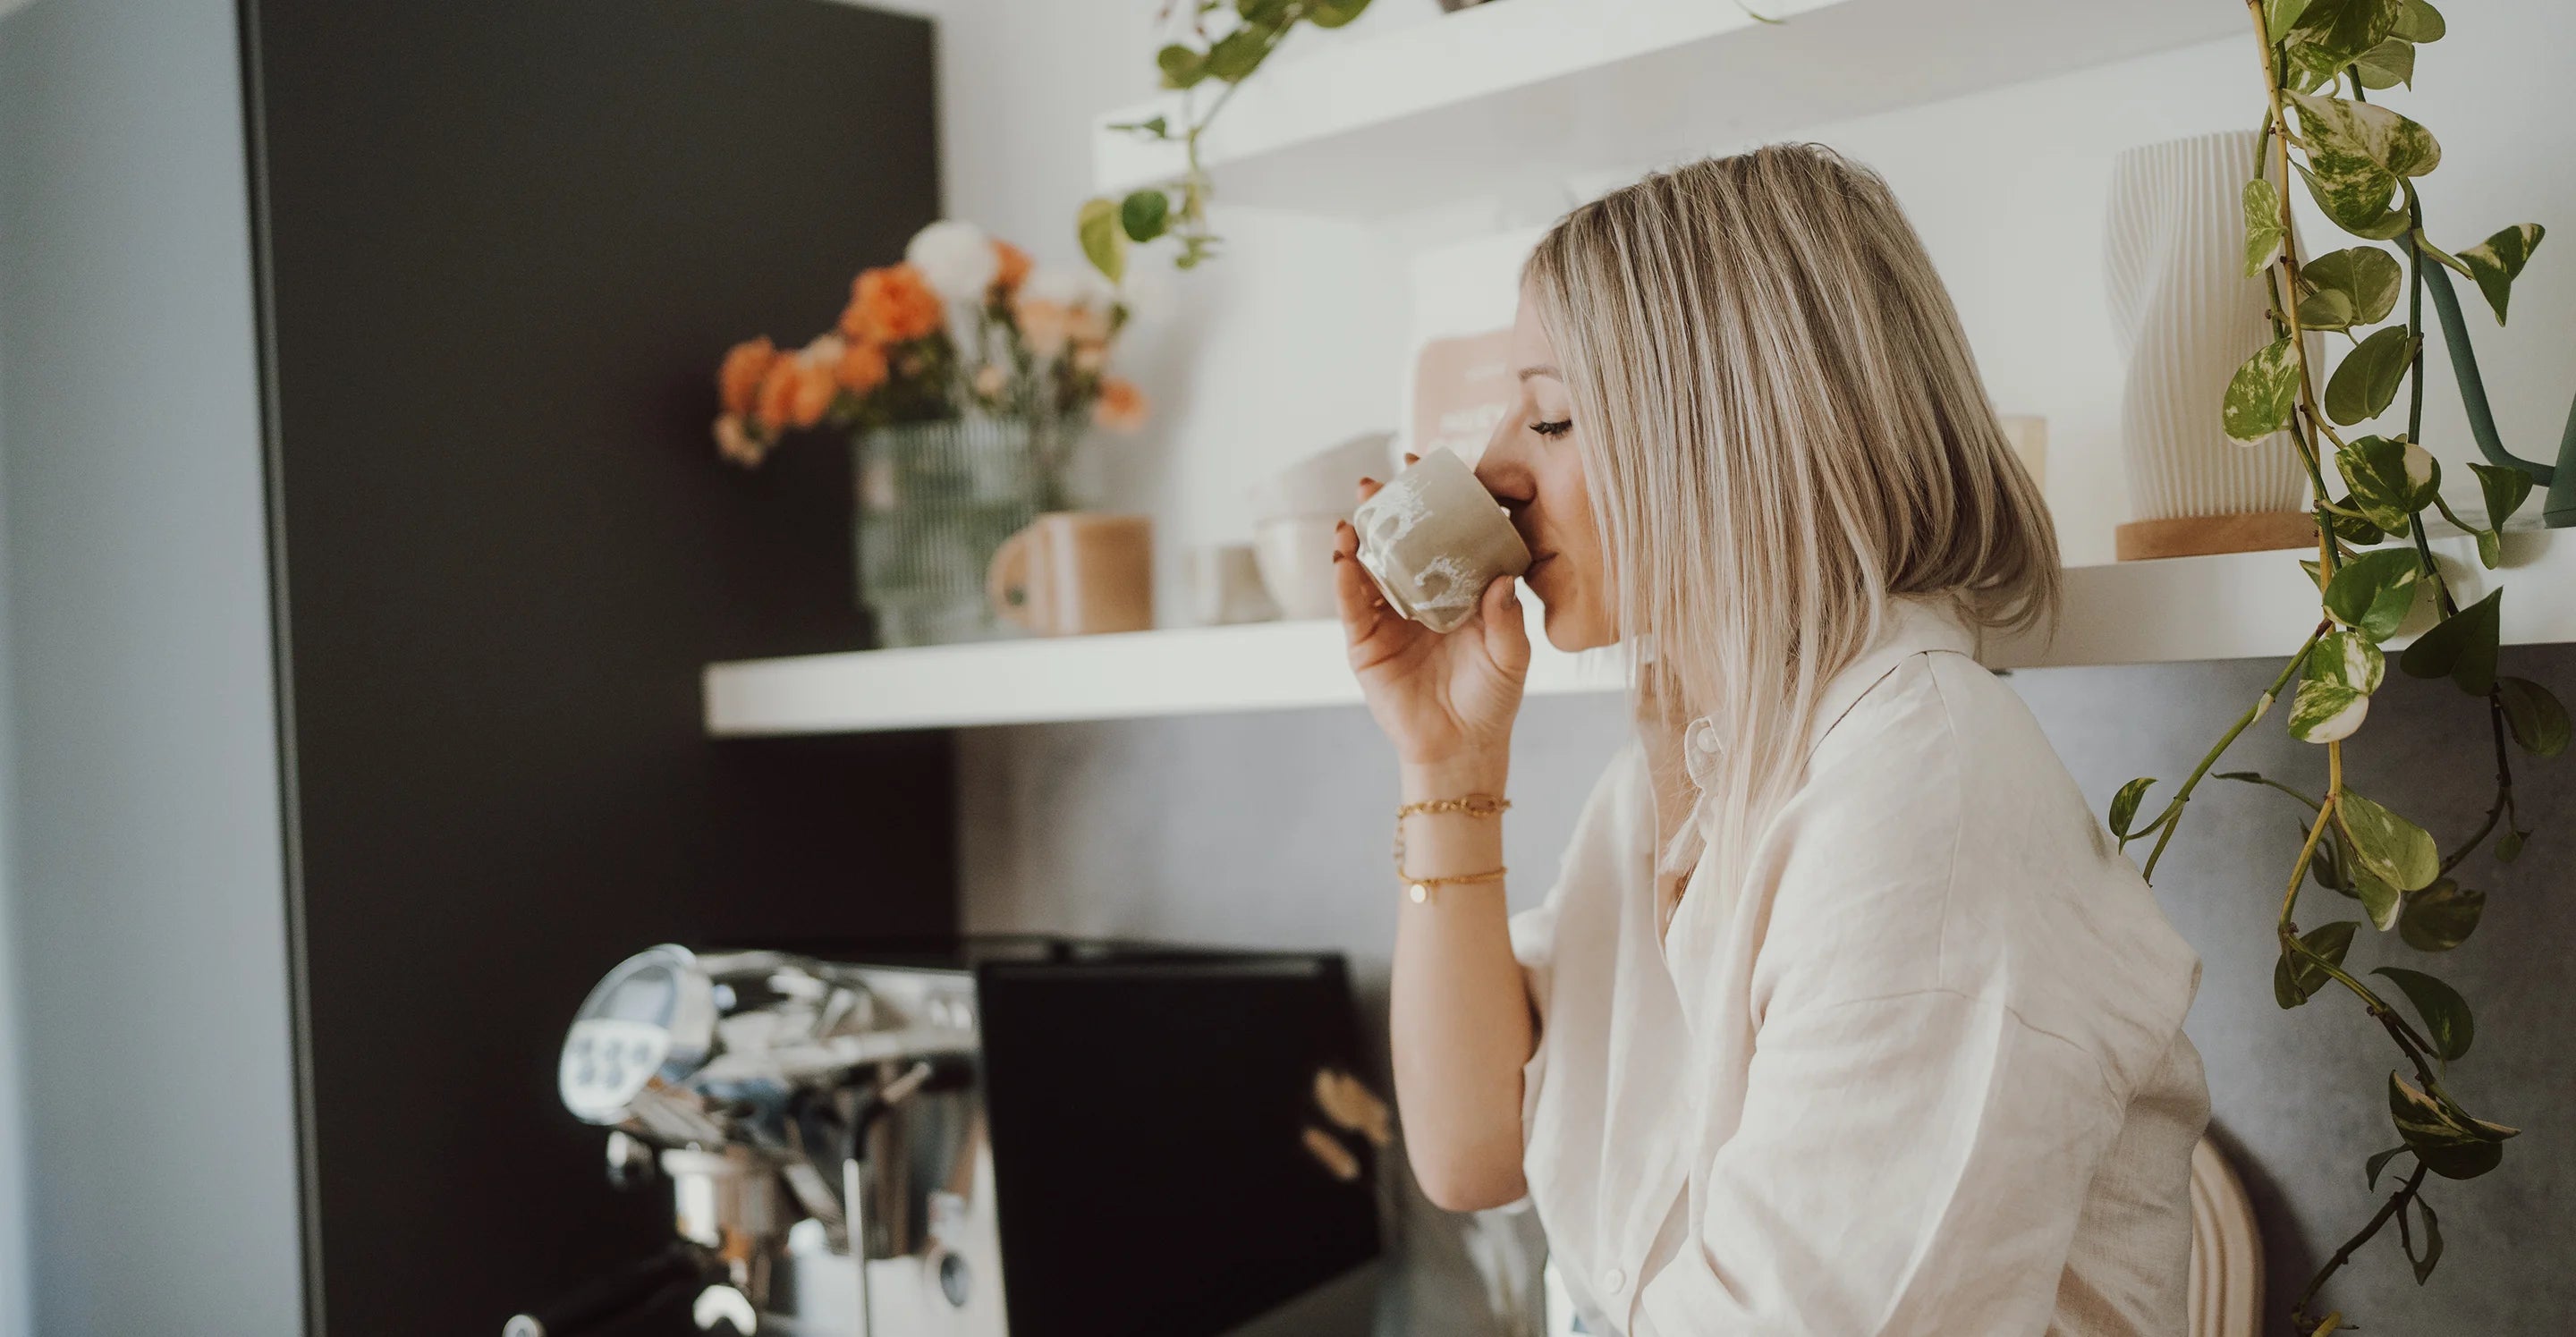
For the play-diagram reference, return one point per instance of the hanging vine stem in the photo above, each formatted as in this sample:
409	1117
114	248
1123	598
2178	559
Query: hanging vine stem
2357	157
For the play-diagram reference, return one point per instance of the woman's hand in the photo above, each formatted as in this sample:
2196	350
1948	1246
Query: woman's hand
1447	702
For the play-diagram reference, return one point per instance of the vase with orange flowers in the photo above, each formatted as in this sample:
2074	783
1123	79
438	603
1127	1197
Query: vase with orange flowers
964	377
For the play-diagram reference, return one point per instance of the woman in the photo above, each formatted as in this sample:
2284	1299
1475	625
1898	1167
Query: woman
1844	1016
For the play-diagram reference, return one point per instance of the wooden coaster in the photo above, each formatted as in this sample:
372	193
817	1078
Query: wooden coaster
2199	535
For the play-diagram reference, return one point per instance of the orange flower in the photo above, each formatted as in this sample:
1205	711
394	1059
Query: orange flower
862	367
1015	265
744	366
991	380
1121	406
736	443
1045	326
891	305
1088	326
796	393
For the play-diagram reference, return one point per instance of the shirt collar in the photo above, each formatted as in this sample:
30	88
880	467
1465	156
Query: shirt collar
1909	625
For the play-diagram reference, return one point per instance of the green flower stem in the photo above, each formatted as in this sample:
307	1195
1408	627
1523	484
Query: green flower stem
2326	816
2406	1193
2171	818
2504	786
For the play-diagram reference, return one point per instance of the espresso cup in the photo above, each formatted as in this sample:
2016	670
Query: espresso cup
1433	538
1076	573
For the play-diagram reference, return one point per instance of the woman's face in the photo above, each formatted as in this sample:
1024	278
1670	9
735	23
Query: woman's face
1534	466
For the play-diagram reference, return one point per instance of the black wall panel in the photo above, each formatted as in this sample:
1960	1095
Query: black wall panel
505	243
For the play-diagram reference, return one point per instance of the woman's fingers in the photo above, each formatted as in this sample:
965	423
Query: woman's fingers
1354	594
1369	488
1506	633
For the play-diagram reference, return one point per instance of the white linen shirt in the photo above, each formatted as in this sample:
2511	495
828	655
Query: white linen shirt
1924	1075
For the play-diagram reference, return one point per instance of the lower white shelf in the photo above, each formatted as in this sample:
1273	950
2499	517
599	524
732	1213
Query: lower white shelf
2243	605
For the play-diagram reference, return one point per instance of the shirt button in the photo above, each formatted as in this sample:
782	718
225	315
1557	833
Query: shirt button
1613	1280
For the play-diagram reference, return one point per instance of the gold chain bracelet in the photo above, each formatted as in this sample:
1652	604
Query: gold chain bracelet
1420	889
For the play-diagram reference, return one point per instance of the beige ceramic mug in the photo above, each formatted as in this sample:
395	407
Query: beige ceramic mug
1433	538
1075	573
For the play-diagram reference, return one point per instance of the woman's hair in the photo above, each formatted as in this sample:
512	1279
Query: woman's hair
1781	426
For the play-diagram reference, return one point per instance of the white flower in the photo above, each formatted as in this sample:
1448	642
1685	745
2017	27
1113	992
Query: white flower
1072	287
956	259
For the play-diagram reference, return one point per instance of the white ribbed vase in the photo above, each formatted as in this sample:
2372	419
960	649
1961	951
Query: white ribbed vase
2187	318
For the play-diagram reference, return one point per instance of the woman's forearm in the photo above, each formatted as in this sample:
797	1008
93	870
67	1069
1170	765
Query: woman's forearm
1460	1010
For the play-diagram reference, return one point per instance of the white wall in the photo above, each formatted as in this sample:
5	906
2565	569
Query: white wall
145	856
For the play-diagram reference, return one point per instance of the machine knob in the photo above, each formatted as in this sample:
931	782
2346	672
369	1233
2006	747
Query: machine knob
722	1304
630	1162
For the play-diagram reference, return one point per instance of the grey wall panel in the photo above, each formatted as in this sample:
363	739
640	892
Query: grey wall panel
1271	830
146	871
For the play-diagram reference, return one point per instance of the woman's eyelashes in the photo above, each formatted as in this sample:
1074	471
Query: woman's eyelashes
1552	430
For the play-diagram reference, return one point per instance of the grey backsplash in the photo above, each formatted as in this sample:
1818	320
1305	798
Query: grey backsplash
1271	830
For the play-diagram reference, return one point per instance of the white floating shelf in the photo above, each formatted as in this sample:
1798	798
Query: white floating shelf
2188	608
1369	124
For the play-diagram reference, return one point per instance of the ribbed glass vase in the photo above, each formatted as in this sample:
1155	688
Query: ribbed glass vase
935	500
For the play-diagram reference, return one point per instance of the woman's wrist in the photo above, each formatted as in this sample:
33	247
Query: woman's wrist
1457	777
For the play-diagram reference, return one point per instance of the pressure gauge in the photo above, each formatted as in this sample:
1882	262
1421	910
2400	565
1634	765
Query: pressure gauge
654	1013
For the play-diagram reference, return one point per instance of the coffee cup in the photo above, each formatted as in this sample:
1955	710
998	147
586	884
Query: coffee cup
1076	573
1433	538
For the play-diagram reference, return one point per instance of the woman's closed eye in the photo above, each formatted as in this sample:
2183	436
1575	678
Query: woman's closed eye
1552	430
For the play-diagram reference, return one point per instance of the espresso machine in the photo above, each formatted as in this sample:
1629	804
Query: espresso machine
1003	1138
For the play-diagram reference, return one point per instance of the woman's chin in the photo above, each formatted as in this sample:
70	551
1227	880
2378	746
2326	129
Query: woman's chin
1570	632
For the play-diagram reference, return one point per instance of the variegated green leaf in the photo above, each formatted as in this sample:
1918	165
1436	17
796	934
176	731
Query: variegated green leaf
2279	16
2366	277
2379	1161
2262	224
2333	33
2388	847
2538	720
2366	380
2387	65
2419	22
2373	593
2441	916
2505	489
2262	393
2508	846
2295	979
2447	1022
2449	261
2124	805
1182	66
2323	712
1334	13
2462	647
2431	1224
2391	478
2449	1143
2346	659
2338	129
2498	260
2357	200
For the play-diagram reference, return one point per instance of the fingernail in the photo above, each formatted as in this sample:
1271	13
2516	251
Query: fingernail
1368	482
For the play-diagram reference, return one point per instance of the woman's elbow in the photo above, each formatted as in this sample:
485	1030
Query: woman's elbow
1469	1183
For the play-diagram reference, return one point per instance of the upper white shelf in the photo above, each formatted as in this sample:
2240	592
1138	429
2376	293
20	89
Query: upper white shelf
1369	124
2186	608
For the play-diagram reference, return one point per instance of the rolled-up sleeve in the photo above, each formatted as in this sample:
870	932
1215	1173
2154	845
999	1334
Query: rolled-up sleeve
1905	1166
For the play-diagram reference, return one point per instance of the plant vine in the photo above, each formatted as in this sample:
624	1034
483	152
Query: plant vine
1214	44
2360	161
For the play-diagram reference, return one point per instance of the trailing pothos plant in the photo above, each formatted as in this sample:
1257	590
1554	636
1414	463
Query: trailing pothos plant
2360	162
1215	46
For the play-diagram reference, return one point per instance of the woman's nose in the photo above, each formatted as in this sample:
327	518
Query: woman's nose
1504	473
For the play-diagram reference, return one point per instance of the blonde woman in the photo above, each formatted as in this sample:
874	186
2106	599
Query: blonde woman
1844	1016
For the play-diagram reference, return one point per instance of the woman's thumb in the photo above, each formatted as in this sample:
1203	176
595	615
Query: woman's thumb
1506	632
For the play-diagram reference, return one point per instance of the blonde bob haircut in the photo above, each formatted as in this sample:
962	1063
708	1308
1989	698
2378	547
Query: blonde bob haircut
1781	427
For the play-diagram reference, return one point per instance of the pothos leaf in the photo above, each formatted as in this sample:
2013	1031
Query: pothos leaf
1237	54
1334	13
2262	224
2508	847
2432	1253
2262	392
2498	260
2391	478
2368	377
2441	916
2538	721
2324	712
2367	277
2279	16
2357	201
2387	846
1182	66
2374	592
2447	1022
2449	1143
2332	33
2388	64
1104	241
2295	979
1143	213
2378	1162
2338	130
2419	22
2462	647
2345	659
2124	805
2505	489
